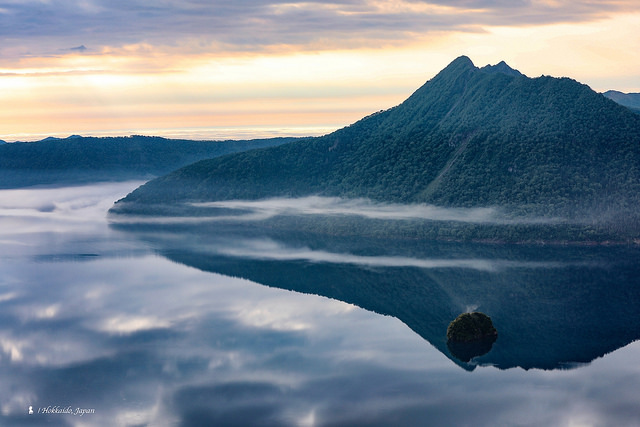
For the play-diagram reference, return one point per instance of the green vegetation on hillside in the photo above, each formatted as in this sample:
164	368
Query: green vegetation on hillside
468	137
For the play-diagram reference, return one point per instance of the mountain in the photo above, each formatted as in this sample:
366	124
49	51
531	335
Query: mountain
84	159
469	137
629	100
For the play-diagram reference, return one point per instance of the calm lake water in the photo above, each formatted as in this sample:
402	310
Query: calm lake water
226	323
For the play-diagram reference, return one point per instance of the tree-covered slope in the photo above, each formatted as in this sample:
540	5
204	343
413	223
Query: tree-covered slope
468	137
78	158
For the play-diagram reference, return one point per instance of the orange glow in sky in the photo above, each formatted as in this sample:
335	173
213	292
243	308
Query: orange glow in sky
284	68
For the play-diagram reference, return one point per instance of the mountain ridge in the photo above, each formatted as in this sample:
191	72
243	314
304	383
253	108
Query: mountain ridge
501	67
77	159
629	100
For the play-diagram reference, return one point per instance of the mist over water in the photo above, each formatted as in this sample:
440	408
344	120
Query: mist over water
335	206
84	203
248	245
62	215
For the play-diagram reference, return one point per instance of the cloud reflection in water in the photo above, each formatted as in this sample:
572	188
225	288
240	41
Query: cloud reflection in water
267	249
147	341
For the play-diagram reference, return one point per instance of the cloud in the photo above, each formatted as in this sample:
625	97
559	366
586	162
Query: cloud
132	324
256	25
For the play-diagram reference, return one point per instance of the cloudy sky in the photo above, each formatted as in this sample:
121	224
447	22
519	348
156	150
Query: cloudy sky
251	67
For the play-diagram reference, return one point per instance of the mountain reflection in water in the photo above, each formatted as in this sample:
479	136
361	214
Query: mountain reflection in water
554	307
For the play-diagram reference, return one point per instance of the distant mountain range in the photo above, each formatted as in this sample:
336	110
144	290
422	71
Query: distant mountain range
78	159
629	100
469	137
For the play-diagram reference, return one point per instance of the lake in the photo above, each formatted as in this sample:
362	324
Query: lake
225	322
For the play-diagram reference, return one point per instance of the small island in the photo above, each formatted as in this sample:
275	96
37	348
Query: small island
470	335
469	327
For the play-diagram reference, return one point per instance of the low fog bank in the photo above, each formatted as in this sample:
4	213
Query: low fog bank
365	217
335	206
69	220
80	203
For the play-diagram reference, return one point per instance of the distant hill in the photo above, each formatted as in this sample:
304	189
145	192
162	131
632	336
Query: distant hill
85	159
629	100
469	137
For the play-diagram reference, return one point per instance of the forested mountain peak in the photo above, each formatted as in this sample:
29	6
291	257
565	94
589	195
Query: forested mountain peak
466	138
461	63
